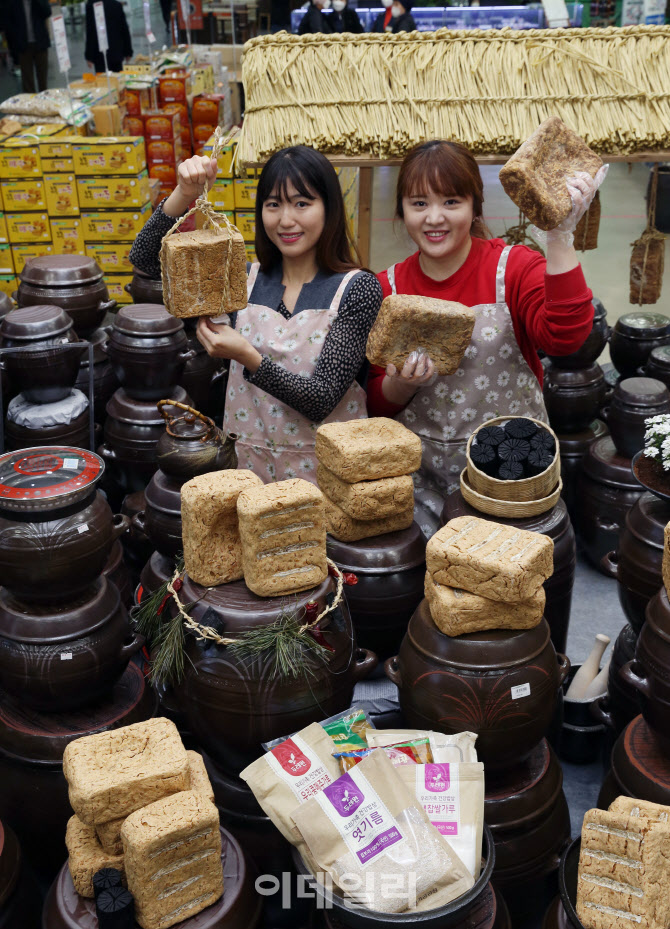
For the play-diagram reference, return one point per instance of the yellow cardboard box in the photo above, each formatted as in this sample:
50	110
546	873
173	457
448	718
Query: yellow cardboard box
58	146
115	155
245	193
114	225
19	196
6	260
28	228
68	236
23	253
222	195
200	219
58	165
61	191
20	158
46	130
250	249
8	284
225	160
115	192
246	223
116	286
3	229
112	257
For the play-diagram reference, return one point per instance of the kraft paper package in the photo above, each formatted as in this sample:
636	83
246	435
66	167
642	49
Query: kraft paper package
374	839
452	796
446	748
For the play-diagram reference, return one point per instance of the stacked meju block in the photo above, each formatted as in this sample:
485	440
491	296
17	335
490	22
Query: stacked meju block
144	807
483	575
364	470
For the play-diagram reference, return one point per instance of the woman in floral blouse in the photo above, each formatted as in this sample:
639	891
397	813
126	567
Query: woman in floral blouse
297	351
522	303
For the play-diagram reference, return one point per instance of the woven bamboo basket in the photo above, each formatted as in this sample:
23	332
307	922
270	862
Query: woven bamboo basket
528	488
508	509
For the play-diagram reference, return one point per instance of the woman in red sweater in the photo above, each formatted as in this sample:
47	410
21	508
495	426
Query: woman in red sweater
522	303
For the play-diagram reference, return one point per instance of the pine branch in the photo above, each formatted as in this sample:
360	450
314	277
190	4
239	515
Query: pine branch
167	666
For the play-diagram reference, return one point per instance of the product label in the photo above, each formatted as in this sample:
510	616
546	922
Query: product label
299	767
360	816
101	26
438	791
523	690
83	528
60	41
71	463
66	656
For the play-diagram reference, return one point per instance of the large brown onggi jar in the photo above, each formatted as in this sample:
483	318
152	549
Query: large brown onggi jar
148	350
637	563
573	446
649	672
640	767
19	893
606	490
56	530
145	289
34	795
573	397
634	401
161	518
622	702
658	365
633	338
501	684
556	524
204	377
527	812
234	704
390	572
105	382
57	658
73	282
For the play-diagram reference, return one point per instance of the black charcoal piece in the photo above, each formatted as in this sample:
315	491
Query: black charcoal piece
513	450
538	461
520	428
115	909
104	879
484	458
543	439
489	435
511	471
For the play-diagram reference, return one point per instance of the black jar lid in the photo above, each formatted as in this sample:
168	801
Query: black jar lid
146	319
61	271
641	391
660	356
35	323
47	477
643	325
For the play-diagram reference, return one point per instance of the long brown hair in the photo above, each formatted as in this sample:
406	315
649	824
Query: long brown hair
447	168
312	175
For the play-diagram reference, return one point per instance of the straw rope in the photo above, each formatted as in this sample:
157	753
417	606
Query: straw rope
212	218
208	632
488	89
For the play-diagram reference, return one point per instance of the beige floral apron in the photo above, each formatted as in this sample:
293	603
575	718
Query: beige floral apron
494	379
275	441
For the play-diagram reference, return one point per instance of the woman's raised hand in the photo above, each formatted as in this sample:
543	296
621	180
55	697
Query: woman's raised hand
400	386
191	178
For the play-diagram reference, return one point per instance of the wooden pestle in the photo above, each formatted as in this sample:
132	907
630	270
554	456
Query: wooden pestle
589	670
598	685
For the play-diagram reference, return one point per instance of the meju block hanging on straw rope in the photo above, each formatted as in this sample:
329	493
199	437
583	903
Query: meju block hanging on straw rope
646	267
586	233
204	272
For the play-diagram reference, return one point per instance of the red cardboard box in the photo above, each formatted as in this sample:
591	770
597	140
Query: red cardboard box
161	125
202	132
136	99
181	109
208	110
166	173
133	125
174	87
164	152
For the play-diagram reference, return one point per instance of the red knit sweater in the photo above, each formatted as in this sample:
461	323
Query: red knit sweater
552	312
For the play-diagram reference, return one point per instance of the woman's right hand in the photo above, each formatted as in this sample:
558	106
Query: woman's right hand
400	386
191	178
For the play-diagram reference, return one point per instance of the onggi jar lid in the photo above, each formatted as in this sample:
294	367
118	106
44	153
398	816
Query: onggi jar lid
47	478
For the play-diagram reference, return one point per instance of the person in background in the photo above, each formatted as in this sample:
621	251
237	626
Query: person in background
345	19
314	20
118	36
402	19
166	10
384	20
24	23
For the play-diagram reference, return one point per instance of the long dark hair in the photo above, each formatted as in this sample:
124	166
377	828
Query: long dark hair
312	175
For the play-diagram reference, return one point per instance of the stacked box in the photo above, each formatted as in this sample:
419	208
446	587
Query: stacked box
21	254
245	193
124	155
61	194
364	472
6	260
22	196
113	192
163	138
68	236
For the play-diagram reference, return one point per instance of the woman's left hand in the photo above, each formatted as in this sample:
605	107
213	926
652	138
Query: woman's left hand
225	342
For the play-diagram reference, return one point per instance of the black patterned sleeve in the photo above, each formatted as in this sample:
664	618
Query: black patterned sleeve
341	358
147	245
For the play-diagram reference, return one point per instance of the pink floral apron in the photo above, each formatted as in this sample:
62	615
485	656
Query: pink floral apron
494	379
275	441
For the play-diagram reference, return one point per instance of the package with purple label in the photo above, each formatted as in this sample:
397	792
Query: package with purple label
368	832
452	796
